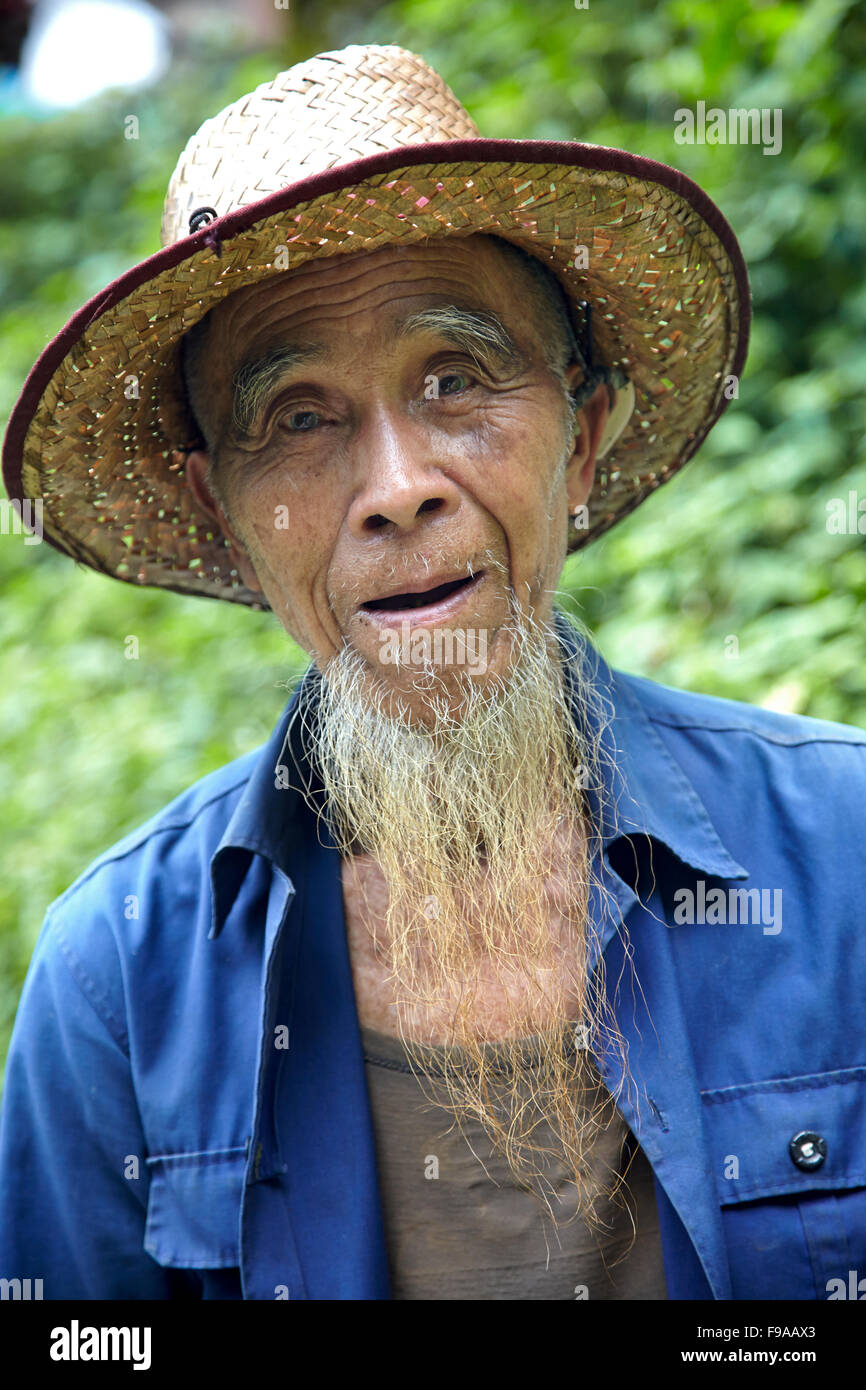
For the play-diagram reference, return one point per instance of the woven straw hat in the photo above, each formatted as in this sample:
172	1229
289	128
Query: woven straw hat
347	152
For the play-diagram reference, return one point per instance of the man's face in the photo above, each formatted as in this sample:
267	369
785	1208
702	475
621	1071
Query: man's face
409	445
395	454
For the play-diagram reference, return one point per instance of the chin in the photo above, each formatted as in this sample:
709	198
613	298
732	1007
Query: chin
431	687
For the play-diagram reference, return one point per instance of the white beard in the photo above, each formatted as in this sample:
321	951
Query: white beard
480	827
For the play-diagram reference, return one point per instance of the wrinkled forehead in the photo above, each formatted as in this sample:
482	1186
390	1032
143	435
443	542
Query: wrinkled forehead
472	271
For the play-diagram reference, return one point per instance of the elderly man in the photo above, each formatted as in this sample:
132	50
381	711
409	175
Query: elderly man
475	982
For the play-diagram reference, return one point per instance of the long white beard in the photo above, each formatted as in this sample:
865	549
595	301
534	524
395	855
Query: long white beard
480	827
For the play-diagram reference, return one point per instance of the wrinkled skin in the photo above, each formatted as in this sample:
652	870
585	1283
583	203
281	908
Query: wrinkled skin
381	482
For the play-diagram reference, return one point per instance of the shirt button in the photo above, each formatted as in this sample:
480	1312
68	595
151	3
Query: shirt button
807	1149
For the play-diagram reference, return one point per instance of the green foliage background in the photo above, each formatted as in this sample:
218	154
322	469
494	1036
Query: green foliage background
92	743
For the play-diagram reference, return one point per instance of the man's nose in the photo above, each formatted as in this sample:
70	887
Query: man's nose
400	473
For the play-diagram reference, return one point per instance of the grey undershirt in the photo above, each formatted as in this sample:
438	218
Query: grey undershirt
457	1235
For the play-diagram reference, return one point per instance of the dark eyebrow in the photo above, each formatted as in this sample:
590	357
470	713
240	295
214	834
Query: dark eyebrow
479	332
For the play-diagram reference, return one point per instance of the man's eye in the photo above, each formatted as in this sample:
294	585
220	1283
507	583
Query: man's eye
303	420
454	383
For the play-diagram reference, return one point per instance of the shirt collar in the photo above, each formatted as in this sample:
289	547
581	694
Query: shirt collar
644	789
269	814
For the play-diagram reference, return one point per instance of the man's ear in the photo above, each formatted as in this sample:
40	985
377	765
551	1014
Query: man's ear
589	426
196	474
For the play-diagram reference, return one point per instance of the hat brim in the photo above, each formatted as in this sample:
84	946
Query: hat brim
99	430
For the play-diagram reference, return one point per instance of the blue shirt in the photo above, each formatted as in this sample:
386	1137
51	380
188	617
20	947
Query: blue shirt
159	1140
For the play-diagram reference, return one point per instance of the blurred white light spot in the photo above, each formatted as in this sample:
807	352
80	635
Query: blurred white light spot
78	48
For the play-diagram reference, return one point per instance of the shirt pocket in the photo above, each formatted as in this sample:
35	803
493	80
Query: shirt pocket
789	1158
194	1209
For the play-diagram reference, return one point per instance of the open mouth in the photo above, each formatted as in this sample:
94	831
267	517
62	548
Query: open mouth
396	602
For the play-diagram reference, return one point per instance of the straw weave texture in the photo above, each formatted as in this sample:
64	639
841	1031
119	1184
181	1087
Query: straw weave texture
105	448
